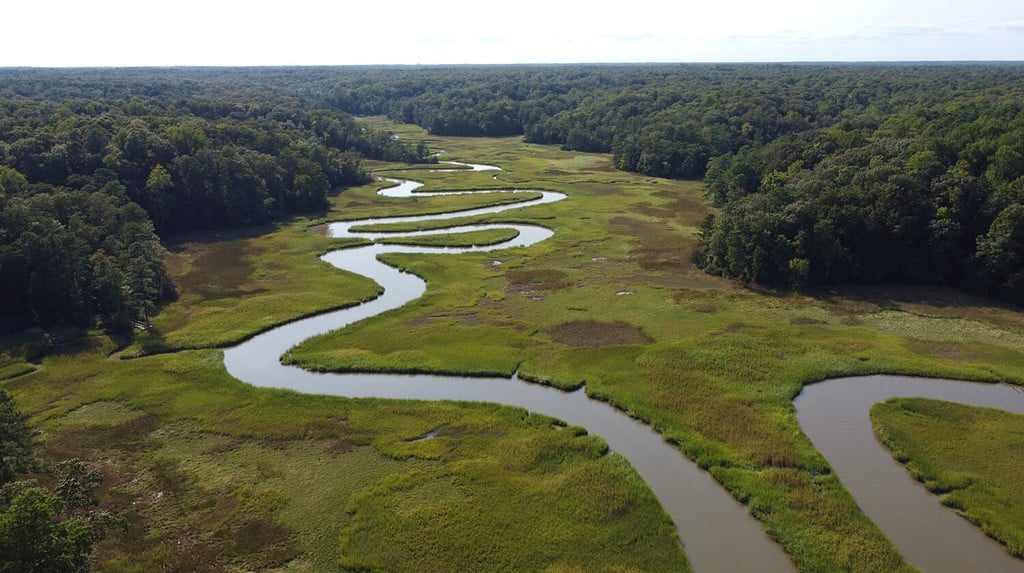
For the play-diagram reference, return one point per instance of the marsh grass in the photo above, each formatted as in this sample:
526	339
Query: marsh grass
214	475
715	372
717	367
15	369
471	239
972	457
235	285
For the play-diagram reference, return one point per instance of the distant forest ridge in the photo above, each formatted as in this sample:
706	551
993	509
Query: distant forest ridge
823	173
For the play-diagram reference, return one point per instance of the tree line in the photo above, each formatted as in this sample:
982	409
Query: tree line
932	194
823	174
96	164
659	119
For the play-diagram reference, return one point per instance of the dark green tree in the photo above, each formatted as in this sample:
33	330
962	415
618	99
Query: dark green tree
15	440
33	538
1001	252
43	531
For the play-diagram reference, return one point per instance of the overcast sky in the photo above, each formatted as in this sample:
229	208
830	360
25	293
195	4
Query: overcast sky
314	32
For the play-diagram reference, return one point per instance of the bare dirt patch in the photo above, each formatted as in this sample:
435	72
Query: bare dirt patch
322	229
595	333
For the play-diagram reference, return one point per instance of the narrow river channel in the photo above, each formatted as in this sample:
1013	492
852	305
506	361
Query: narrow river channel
717	532
835	416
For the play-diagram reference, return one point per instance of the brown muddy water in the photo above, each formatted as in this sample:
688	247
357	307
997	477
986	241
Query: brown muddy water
835	415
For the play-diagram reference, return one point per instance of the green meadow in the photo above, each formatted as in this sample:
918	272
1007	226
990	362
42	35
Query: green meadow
212	473
470	239
972	457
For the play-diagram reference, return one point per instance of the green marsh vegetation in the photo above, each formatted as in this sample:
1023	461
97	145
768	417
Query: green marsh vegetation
612	301
232	281
970	456
211	475
471	239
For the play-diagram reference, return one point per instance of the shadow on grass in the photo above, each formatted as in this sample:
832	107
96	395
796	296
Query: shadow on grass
176	243
912	298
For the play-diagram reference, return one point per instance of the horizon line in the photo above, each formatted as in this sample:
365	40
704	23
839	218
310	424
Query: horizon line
509	64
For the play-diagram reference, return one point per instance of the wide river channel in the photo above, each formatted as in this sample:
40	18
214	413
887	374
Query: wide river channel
717	532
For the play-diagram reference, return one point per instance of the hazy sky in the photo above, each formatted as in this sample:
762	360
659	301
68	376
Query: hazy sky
256	32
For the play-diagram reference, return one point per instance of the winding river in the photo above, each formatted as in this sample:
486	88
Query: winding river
835	416
717	531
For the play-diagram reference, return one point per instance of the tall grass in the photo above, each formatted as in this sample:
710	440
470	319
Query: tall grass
720	364
972	457
212	474
714	371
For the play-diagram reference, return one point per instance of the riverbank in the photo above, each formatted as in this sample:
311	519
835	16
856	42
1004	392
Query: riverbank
972	457
611	300
716	529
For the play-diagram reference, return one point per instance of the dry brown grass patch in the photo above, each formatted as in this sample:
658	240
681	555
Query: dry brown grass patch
219	270
322	229
943	350
735	421
595	333
658	247
806	320
734	328
527	280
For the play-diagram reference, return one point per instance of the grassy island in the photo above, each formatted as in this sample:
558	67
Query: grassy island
970	456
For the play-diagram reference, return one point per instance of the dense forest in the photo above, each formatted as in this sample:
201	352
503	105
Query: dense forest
822	174
95	165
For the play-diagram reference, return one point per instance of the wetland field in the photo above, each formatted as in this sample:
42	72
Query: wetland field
211	474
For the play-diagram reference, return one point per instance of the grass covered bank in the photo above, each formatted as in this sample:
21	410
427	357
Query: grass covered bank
213	475
612	301
972	457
